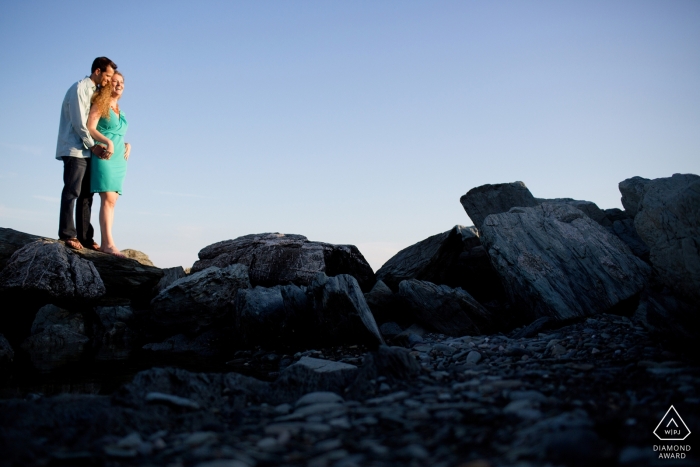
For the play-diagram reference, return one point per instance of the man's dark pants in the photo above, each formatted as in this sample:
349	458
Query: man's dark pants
76	186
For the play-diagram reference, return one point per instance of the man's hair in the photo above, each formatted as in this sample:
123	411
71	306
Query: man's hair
102	63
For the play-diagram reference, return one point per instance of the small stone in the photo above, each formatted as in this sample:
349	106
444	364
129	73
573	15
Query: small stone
319	397
473	357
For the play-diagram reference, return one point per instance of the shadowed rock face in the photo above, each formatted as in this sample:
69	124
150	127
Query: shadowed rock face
49	268
560	263
280	259
668	220
200	299
122	277
483	200
448	311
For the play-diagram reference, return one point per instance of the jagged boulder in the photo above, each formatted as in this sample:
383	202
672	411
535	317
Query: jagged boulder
199	300
668	220
483	200
114	336
280	259
7	355
632	191
50	269
556	261
57	338
443	309
122	277
340	311
454	258
170	275
274	315
12	240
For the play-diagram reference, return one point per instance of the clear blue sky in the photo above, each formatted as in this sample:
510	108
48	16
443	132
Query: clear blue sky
357	122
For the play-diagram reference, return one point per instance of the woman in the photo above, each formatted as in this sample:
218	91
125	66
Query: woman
107	125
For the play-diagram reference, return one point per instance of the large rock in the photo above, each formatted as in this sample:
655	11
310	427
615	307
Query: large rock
12	240
170	275
48	268
483	200
445	310
7	355
663	313
340	311
275	315
58	338
668	220
632	191
201	299
114	336
122	277
454	258
139	256
556	261
280	259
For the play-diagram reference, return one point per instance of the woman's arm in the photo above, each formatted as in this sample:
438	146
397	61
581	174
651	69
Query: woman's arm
127	151
93	118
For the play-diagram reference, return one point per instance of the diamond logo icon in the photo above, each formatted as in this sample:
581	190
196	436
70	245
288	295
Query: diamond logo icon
672	427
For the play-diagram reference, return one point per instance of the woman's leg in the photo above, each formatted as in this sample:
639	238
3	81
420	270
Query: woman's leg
107	202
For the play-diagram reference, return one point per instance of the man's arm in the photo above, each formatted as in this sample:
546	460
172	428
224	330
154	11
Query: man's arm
78	108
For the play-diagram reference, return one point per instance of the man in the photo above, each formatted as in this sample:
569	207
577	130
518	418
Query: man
73	148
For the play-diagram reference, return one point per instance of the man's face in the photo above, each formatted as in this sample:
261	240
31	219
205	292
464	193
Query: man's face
105	76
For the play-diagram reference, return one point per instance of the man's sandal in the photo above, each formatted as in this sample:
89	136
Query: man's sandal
73	244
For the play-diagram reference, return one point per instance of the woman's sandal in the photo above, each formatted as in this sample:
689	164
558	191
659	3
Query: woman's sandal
73	243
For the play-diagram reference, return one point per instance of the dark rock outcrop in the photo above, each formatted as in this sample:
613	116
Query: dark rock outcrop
121	277
341	312
668	220
558	262
57	338
114	336
275	315
483	200
443	309
170	275
632	191
50	269
454	258
7	355
280	259
12	240
199	300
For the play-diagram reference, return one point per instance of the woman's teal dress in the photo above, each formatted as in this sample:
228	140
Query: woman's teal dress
108	175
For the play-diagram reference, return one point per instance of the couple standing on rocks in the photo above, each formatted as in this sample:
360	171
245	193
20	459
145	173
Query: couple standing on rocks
91	145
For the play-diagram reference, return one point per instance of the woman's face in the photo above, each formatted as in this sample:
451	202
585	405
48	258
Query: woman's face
117	85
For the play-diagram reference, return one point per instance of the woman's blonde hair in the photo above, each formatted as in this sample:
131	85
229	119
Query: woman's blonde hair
103	96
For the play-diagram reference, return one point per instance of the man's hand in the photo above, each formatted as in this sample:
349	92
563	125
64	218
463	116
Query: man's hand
127	151
98	150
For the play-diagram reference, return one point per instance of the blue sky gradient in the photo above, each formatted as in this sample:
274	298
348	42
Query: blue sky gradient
356	122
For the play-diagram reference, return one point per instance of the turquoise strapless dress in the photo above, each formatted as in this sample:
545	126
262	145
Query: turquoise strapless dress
108	175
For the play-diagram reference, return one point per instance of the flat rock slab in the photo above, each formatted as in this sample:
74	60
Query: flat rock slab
279	259
557	262
312	375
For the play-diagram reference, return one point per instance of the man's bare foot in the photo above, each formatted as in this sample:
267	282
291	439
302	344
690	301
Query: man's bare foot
73	244
92	246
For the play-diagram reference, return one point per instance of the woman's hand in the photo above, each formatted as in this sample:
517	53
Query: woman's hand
110	150
127	151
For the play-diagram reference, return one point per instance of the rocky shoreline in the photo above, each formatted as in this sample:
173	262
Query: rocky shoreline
551	333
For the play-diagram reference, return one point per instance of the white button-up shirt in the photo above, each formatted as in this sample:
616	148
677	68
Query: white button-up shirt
74	139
